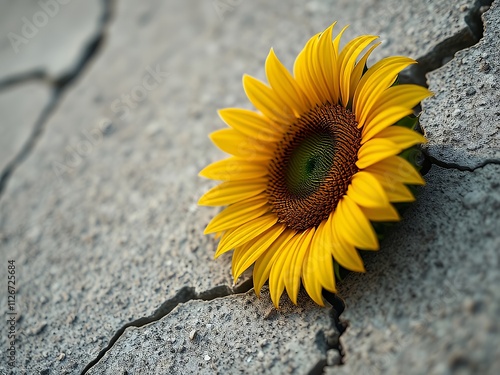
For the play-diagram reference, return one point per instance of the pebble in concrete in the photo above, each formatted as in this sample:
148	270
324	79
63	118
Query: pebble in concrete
462	120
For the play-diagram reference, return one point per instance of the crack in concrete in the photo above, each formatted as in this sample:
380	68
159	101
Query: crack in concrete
184	295
36	75
331	340
445	50
59	87
459	167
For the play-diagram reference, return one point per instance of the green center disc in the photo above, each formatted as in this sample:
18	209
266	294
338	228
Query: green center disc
309	164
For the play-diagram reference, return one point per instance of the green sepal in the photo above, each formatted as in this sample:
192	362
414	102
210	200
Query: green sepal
410	122
336	269
339	271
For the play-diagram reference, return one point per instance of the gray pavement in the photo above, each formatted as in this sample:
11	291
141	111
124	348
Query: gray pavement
462	121
99	206
17	122
48	37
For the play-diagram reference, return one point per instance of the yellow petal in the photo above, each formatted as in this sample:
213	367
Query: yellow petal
367	191
343	252
396	191
284	85
233	169
309	280
315	63
321	257
336	41
294	264
375	150
353	226
277	276
327	60
233	191
263	265
253	252
385	119
237	254
241	235
398	169
251	124
347	60
393	104
376	79
237	214
358	70
387	213
403	137
237	144
266	101
304	74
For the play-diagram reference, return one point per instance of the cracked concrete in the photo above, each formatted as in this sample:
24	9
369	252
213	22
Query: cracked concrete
46	36
185	294
460	120
19	138
17	123
101	217
221	336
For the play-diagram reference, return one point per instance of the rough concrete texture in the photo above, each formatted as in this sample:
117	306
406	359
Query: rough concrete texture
21	107
462	120
240	334
47	36
102	220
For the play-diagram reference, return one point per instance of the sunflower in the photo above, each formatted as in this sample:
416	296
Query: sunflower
317	162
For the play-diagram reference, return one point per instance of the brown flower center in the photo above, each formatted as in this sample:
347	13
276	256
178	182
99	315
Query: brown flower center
313	165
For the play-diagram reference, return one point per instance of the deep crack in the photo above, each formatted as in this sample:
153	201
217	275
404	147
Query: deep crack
59	87
330	340
462	168
185	294
444	51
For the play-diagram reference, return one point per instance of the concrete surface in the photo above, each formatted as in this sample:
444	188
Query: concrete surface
101	216
223	336
21	107
462	120
47	36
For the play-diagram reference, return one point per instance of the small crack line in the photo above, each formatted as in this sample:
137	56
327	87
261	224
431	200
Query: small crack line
184	295
18	79
463	39
458	167
59	87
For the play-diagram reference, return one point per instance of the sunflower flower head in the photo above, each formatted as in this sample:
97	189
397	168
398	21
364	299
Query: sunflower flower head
314	166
